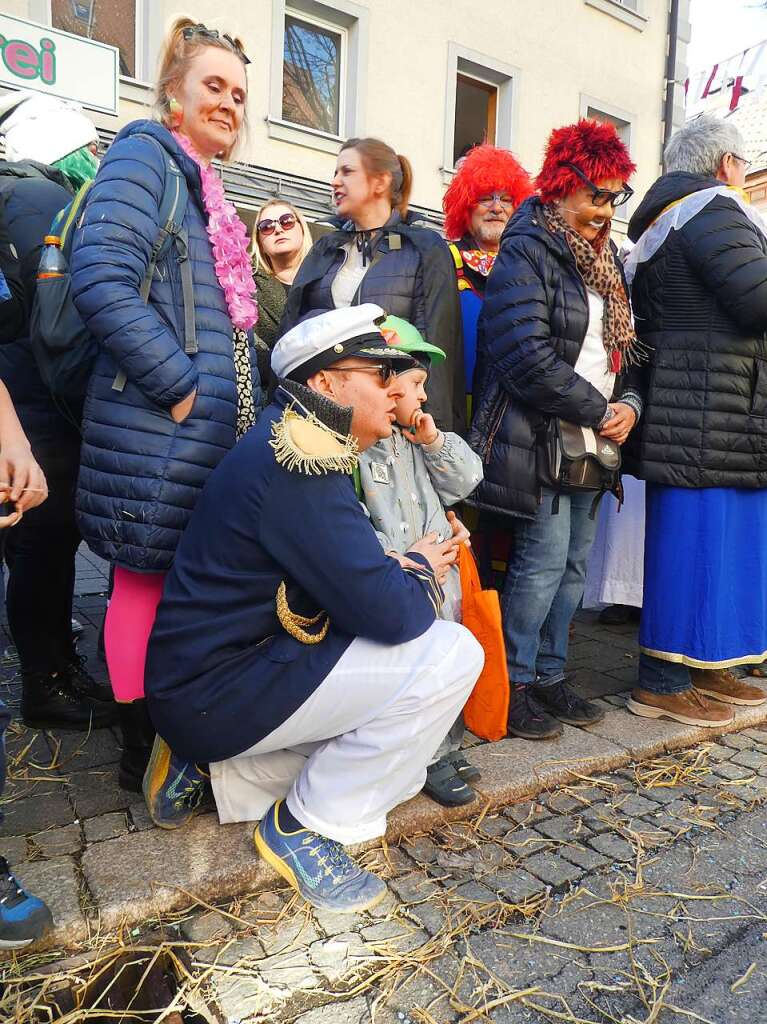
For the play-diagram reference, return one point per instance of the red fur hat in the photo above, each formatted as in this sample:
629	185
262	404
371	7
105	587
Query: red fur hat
485	169
594	147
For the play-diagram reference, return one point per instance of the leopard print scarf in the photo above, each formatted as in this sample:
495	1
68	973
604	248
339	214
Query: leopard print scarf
599	270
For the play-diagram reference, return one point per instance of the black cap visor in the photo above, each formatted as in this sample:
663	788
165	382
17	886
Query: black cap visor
366	346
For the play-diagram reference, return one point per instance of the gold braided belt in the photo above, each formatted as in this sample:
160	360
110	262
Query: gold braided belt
293	623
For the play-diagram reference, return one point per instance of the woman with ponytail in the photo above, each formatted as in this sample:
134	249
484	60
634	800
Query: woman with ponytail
174	381
378	251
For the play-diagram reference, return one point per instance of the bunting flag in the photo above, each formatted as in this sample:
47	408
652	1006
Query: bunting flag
743	72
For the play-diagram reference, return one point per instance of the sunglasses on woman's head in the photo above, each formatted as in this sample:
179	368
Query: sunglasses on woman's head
267	226
212	33
602	196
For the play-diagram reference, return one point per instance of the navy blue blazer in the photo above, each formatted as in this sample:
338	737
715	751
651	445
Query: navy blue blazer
222	673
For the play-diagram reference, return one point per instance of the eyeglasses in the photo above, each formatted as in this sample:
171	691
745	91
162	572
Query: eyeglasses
267	226
497	197
742	159
602	196
384	370
212	33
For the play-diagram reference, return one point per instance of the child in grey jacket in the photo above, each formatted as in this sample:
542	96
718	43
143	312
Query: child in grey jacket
407	482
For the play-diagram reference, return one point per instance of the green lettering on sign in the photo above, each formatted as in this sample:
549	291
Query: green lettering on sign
26	62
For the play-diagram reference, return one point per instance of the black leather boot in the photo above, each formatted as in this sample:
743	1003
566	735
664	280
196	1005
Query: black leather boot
84	685
48	702
137	737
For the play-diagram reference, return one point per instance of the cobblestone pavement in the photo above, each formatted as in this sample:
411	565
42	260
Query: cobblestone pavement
632	888
635	896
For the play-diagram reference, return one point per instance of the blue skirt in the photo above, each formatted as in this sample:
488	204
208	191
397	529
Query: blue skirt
705	577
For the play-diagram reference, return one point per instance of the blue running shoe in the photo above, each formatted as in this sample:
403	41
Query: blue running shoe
319	868
23	918
173	788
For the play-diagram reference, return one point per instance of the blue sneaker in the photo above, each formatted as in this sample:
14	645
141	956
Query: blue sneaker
23	918
319	868
173	788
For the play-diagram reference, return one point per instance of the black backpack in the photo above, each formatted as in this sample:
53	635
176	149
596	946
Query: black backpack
64	349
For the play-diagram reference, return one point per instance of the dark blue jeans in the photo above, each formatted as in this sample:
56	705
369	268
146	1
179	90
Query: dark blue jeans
660	676
544	585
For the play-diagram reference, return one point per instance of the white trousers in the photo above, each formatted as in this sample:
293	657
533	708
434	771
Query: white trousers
360	744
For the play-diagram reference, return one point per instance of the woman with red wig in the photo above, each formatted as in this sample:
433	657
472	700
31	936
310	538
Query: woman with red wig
488	186
557	335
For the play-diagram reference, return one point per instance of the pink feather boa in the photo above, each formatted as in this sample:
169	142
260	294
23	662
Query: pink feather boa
229	241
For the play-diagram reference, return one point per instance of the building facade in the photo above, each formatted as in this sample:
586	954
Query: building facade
431	77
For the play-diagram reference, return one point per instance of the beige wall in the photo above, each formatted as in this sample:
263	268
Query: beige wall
563	48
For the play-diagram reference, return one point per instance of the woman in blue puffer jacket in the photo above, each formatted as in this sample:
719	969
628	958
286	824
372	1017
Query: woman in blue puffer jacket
167	398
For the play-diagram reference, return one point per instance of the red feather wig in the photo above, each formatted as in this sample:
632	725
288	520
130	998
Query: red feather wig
594	147
485	169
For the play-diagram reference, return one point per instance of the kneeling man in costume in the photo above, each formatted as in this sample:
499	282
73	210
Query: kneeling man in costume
305	666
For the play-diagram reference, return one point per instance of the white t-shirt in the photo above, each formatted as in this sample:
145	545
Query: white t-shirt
592	361
347	280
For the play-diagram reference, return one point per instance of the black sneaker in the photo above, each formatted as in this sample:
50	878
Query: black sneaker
565	704
445	786
48	702
527	718
23	918
467	771
84	685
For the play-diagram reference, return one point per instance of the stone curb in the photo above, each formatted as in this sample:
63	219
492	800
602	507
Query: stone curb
143	875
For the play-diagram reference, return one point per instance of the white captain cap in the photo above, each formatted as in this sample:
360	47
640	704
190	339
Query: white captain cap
321	339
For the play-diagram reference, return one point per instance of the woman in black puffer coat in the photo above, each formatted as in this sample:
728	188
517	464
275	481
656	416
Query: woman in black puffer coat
556	327
378	252
699	272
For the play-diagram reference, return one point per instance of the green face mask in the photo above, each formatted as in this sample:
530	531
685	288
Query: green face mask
79	167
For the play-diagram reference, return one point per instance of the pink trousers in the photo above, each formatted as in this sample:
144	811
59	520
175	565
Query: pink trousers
127	625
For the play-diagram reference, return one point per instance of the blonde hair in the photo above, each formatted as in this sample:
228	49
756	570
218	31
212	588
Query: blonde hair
176	57
378	158
260	258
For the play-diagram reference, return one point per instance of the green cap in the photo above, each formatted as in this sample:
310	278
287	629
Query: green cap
410	340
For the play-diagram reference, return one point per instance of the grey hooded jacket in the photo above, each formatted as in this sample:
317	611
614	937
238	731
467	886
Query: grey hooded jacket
406	489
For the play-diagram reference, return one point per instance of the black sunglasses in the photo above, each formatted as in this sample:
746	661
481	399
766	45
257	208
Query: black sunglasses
212	33
384	370
602	196
267	225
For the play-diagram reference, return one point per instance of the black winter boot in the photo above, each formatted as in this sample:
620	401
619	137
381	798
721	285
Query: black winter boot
137	737
527	719
48	702
560	700
84	685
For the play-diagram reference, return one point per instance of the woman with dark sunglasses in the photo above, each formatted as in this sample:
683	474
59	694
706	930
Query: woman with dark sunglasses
558	333
281	240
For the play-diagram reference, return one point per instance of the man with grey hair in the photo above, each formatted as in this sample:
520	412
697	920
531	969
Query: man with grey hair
699	292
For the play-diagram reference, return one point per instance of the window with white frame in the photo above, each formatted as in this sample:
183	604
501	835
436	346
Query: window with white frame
108	21
480	104
319	71
313	66
135	27
631	12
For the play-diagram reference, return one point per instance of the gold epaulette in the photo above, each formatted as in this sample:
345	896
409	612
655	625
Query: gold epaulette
305	444
293	624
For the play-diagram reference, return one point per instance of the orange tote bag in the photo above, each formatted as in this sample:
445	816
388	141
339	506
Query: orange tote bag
487	709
